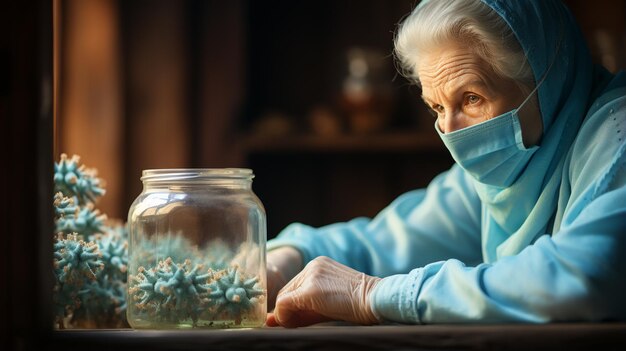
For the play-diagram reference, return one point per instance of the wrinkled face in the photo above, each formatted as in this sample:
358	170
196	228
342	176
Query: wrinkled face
461	90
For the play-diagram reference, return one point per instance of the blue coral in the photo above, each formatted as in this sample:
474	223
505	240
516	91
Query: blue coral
102	302
172	292
87	222
71	218
144	290
76	265
75	259
114	249
233	293
73	179
90	257
176	292
64	206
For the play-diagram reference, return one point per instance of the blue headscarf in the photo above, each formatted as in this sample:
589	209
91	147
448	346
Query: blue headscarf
515	216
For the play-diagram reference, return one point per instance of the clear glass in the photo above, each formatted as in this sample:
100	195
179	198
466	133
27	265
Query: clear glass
197	251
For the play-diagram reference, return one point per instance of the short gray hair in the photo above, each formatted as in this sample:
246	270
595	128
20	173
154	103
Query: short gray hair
470	21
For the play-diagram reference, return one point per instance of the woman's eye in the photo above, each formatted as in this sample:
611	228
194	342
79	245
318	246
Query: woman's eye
473	99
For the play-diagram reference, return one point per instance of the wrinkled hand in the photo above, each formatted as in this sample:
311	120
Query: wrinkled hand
325	290
282	264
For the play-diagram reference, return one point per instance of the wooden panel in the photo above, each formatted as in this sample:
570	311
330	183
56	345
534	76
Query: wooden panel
157	89
220	63
90	119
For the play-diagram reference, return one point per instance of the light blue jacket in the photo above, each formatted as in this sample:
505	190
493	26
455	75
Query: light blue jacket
552	247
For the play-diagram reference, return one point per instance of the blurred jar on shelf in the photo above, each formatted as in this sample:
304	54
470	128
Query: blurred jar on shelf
366	96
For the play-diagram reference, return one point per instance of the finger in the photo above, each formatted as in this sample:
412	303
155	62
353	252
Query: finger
298	318
290	314
270	321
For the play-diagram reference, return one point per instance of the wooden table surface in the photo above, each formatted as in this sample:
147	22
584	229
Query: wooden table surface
581	336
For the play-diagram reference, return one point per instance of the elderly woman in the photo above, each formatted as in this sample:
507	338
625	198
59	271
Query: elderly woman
529	225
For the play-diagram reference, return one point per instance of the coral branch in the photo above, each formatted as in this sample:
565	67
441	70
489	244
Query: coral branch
234	294
114	249
73	179
90	258
64	206
76	259
87	222
171	292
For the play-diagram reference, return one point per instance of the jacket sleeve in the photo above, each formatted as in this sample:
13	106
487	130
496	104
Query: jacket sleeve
575	274
421	226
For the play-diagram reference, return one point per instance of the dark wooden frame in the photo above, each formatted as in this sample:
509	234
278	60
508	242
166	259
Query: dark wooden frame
26	105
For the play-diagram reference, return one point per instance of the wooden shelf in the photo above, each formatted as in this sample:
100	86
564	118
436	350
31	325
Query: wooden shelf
388	142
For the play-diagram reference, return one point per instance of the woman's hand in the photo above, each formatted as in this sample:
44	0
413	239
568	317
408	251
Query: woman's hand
283	264
325	290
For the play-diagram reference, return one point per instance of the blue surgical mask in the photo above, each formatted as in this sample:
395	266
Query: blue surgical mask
493	151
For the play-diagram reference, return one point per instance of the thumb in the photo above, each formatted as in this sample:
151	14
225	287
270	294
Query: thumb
289	313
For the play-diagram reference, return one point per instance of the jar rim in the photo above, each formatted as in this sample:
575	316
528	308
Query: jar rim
194	174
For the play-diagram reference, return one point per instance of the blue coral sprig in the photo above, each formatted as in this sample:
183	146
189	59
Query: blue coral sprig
176	293
232	293
74	179
86	221
114	249
90	257
76	264
171	292
64	206
75	259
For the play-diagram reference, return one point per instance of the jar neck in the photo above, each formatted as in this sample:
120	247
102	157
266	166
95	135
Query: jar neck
228	178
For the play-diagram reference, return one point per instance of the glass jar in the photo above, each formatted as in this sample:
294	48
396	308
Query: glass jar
196	251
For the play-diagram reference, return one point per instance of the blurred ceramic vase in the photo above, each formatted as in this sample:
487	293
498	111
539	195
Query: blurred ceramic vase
366	97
